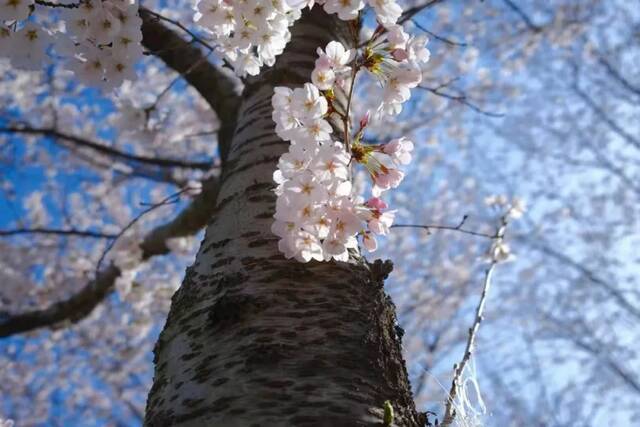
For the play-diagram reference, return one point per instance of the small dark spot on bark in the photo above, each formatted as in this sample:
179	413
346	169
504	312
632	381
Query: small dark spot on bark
190	403
219	382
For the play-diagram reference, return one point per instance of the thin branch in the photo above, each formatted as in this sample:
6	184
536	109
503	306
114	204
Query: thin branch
413	11
450	412
81	304
215	86
178	24
525	18
586	272
437	37
58	232
597	348
462	99
619	77
106	150
429	227
605	118
171	84
166	201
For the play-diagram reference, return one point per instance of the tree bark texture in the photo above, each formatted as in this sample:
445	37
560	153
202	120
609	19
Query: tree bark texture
253	339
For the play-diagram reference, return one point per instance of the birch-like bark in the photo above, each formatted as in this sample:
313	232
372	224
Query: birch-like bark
253	339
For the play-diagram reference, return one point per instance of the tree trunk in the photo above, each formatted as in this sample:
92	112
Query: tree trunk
253	339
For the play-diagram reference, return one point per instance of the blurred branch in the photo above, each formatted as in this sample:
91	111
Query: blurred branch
604	117
57	232
106	150
462	99
429	227
525	18
413	11
82	303
436	36
597	349
600	162
178	24
215	86
590	275
171	84
168	200
599	352
618	77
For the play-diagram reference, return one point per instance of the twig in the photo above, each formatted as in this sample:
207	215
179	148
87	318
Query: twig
180	76
436	36
81	303
429	227
458	368
413	11
178	24
462	99
59	232
166	201
525	18
105	149
618	77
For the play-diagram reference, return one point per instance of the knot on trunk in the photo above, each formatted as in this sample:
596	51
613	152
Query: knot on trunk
231	309
380	270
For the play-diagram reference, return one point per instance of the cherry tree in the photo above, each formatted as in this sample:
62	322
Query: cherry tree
294	133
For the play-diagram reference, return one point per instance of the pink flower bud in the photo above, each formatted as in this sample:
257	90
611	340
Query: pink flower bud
399	54
365	120
376	203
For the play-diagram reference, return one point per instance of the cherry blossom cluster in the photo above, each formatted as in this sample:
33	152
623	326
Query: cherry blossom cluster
395	58
25	47
318	214
105	41
100	39
251	33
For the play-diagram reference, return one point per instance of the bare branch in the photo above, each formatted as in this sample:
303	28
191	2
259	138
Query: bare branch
619	77
413	11
458	368
216	87
525	18
168	200
429	227
106	150
57	232
82	303
462	99
605	117
586	272
436	36
596	348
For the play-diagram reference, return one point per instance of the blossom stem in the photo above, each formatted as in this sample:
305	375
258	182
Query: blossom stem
346	119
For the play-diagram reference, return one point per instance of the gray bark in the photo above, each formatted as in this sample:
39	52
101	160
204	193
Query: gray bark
253	339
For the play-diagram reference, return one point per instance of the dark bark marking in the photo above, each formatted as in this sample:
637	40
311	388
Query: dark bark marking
262	242
231	309
222	262
216	245
265	215
260	186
